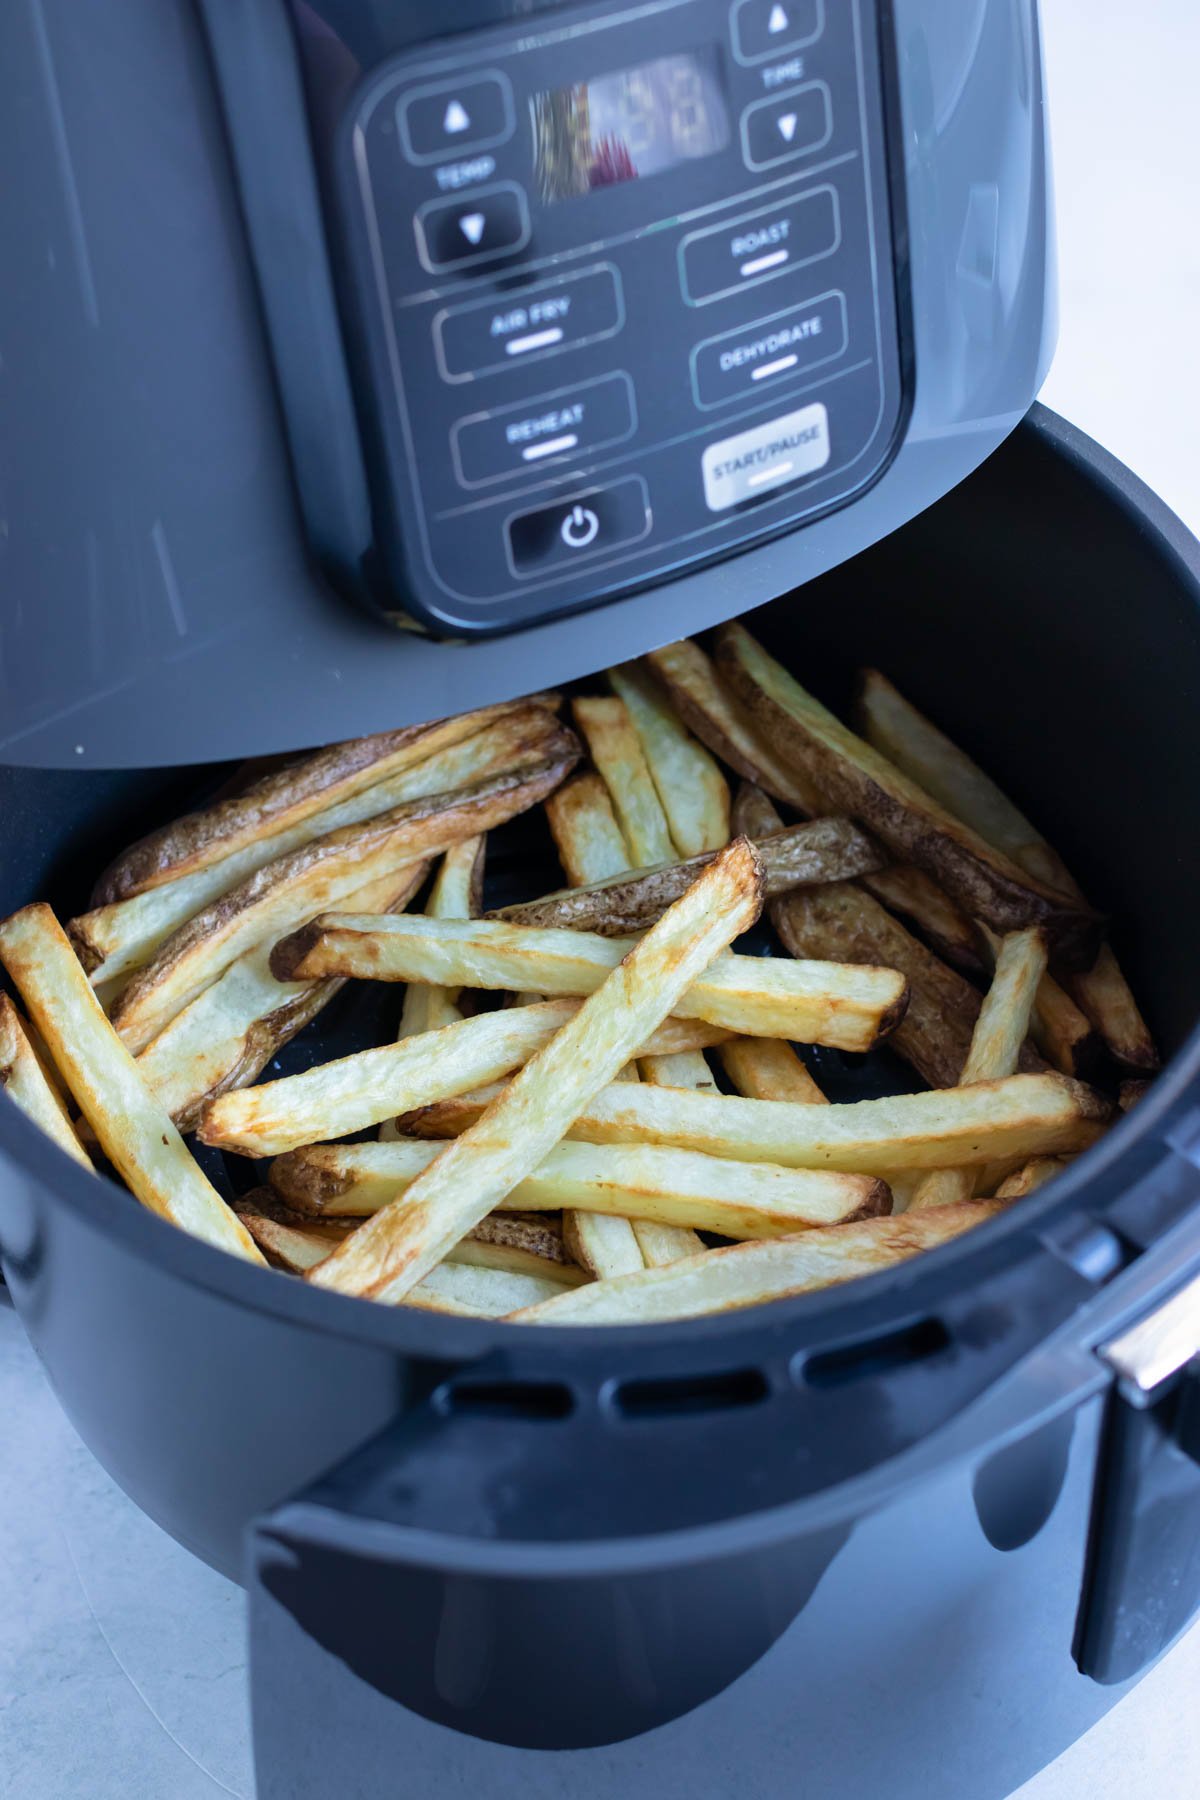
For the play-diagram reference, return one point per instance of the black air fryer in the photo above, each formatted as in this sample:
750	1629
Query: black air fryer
367	360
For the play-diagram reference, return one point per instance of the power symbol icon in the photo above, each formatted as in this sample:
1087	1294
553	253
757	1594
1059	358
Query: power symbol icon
579	527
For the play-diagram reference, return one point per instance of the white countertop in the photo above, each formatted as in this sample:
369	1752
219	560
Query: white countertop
101	1692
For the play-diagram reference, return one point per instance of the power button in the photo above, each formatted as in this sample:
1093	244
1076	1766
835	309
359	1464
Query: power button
579	528
569	530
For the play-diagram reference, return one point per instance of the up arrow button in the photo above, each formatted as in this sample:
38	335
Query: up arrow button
455	118
773	28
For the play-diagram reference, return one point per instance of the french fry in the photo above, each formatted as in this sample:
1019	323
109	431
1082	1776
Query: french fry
749	1274
1131	1092
769	1069
457	892
844	1005
894	726
227	1035
604	1244
614	748
391	1253
123	935
845	924
584	826
930	913
1014	1118
133	1130
701	701
291	795
811	854
681	1188
1031	1176
691	787
360	1090
661	1243
480	1293
23	1079
859	781
315	877
996	1042
1061	1030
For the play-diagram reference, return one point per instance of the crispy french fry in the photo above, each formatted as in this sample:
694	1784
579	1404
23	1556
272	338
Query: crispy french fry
1061	1031
602	1243
931	914
584	826
843	923
23	1079
479	1293
292	794
1131	1092
861	782
895	727
1014	1118
114	939
691	787
1031	1176
846	1005
811	854
748	1274
769	1069
227	1035
317	876
683	1188
662	1243
396	1248
133	1129
687	1069
696	692
996	1042
614	748
457	892
338	1097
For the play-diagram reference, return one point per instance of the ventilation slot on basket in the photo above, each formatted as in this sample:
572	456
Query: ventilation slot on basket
651	1399
510	1399
911	1344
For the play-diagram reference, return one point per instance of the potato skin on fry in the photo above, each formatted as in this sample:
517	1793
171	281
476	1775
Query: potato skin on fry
857	780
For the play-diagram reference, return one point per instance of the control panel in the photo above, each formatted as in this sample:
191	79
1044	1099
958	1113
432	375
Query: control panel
626	287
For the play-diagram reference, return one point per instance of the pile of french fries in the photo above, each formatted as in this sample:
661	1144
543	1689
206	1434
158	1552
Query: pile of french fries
593	1110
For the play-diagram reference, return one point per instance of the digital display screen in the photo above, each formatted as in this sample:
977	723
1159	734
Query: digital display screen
640	121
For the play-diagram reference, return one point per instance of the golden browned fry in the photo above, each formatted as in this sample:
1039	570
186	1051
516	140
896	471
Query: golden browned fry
748	1274
768	1069
1019	1117
227	1035
457	893
681	1188
584	826
691	787
847	1006
614	748
316	877
697	694
1031	1176
842	923
1131	1092
395	1249
602	1243
338	1097
23	1079
133	1130
117	938
811	854
286	796
859	781
894	726
660	1242
930	913
1061	1031
996	1042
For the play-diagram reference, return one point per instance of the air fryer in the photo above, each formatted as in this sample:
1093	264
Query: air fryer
268	490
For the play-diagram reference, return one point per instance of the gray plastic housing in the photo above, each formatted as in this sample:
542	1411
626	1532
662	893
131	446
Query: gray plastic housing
160	599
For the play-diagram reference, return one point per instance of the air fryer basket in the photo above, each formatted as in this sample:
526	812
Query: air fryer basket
1046	615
